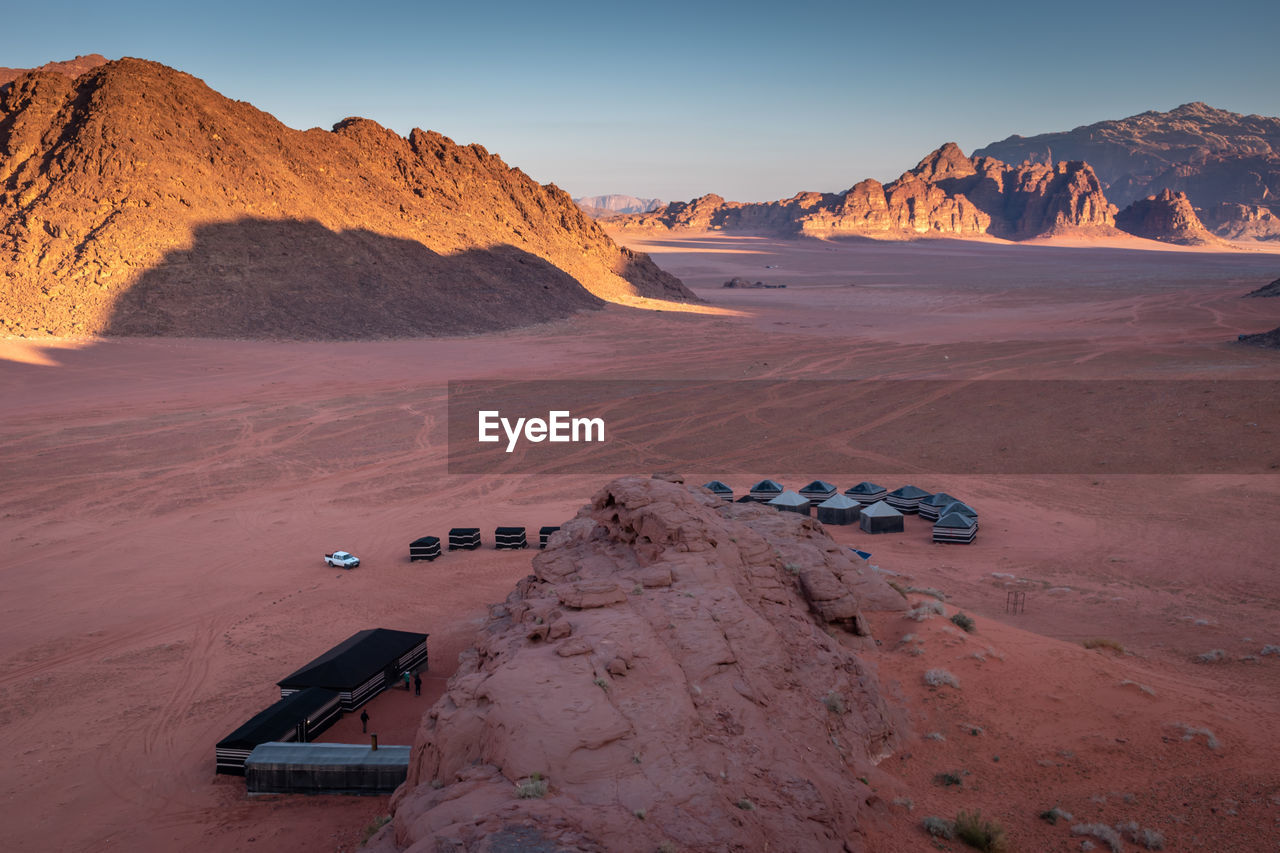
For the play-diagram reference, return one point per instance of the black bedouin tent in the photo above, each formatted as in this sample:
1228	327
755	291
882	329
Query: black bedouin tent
906	499
427	548
297	717
509	539
325	768
544	533
931	507
791	502
720	490
866	493
766	490
955	527
464	538
745	499
818	491
362	666
839	510
961	507
881	518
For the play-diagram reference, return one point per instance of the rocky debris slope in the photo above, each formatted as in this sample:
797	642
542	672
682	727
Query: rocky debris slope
72	68
676	673
135	200
946	194
1167	217
1225	162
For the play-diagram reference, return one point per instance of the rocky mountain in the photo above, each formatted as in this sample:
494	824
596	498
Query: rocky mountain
1227	164
627	694
135	200
1167	216
946	194
599	206
72	68
1267	290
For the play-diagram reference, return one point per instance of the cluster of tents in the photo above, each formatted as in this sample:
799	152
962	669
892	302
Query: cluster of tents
314	697
469	539
873	507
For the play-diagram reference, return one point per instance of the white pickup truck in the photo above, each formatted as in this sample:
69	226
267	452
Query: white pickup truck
342	560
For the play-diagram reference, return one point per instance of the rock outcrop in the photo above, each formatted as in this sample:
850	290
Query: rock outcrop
946	194
601	206
1266	340
71	68
135	200
1267	290
1225	162
675	672
1167	217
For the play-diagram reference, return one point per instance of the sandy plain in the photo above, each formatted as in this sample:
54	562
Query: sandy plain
166	502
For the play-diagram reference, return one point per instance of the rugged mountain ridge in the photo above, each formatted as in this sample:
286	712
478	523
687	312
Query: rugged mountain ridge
136	200
72	68
626	695
1227	164
599	206
946	194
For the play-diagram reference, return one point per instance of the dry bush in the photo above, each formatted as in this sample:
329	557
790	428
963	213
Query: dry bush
940	677
981	833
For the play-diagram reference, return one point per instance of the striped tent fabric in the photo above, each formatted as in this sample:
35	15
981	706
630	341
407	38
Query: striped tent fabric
931	507
867	493
955	527
362	666
766	490
299	716
839	509
906	499
427	548
464	538
818	491
510	539
544	533
791	502
720	490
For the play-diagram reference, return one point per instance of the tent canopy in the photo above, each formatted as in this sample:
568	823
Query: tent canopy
350	663
911	493
279	721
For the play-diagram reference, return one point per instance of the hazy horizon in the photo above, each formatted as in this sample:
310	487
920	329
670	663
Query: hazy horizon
674	101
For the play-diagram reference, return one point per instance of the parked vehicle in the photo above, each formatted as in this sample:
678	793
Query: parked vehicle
342	560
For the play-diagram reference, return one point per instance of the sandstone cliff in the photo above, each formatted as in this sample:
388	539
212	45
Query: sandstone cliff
136	200
1223	161
946	194
1167	217
675	672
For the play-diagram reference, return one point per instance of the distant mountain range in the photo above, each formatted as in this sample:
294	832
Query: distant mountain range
603	206
1192	175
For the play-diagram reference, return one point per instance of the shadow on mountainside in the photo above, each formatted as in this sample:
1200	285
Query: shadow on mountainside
285	279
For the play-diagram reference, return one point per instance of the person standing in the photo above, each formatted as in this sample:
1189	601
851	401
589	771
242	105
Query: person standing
417	683
364	720
406	680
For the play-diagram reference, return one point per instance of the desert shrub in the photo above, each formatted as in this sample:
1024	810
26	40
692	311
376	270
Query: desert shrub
533	788
946	780
926	610
1211	656
746	805
1101	832
1191	733
930	591
905	802
373	827
640	813
939	827
1148	838
1054	815
935	736
1144	688
1103	643
1270	650
602	684
834	702
981	833
940	677
964	621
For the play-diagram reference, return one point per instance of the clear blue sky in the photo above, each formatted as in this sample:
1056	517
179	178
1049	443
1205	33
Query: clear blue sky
678	99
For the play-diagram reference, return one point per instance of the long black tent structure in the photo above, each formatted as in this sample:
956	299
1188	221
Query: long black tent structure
791	502
298	717
881	518
906	499
544	533
720	490
362	666
818	491
510	538
838	510
464	538
867	492
325	768
426	548
766	490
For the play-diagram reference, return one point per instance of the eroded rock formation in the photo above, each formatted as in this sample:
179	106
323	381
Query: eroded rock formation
1168	217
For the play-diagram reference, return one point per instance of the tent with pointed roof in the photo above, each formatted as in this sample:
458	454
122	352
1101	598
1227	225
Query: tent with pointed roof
745	499
906	499
818	491
881	518
791	502
362	666
867	493
766	490
720	490
961	507
839	509
931	507
955	527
